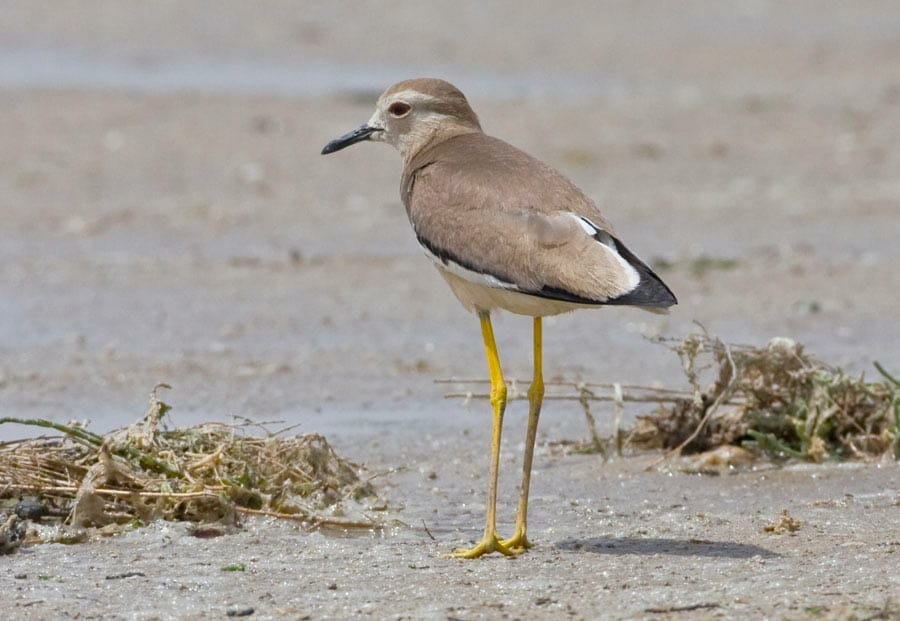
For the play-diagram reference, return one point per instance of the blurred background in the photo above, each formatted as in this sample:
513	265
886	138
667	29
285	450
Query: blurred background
165	215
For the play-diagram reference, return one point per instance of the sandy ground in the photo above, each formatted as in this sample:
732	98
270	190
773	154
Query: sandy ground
166	217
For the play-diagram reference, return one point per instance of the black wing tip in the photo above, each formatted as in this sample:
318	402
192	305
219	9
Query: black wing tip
651	290
649	293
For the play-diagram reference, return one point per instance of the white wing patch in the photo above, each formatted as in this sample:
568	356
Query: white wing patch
593	230
470	275
587	225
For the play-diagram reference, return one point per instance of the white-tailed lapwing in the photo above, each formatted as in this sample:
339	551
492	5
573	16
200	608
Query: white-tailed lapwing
507	232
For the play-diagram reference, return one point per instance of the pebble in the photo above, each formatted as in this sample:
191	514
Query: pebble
239	611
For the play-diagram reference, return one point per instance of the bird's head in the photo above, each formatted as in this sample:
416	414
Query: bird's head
413	114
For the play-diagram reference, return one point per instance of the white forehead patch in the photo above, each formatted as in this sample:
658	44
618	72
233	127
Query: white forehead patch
376	120
411	95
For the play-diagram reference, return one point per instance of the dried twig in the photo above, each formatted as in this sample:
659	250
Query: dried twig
592	424
687	608
723	395
314	521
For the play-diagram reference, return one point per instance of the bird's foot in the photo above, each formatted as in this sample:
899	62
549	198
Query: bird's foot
488	544
518	543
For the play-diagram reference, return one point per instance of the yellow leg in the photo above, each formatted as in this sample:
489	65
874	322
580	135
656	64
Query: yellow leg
490	542
519	542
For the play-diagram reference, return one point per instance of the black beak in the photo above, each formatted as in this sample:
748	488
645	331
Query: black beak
357	135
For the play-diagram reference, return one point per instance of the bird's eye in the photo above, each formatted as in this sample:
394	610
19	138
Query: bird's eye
399	108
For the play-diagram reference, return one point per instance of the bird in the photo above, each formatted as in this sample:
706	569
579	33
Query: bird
508	233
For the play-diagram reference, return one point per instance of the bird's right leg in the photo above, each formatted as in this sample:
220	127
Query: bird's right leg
519	541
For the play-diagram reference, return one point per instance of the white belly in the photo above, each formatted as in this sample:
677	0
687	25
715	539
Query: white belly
481	297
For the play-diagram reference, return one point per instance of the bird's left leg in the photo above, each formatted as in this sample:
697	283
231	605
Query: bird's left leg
489	541
519	541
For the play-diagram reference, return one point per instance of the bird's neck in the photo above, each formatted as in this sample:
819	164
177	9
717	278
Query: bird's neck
429	135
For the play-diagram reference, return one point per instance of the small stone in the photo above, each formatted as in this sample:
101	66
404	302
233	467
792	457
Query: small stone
239	611
208	531
30	509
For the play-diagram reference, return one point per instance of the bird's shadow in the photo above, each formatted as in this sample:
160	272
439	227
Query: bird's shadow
650	546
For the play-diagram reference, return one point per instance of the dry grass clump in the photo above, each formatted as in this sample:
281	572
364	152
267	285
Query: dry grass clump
783	524
208	473
775	399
